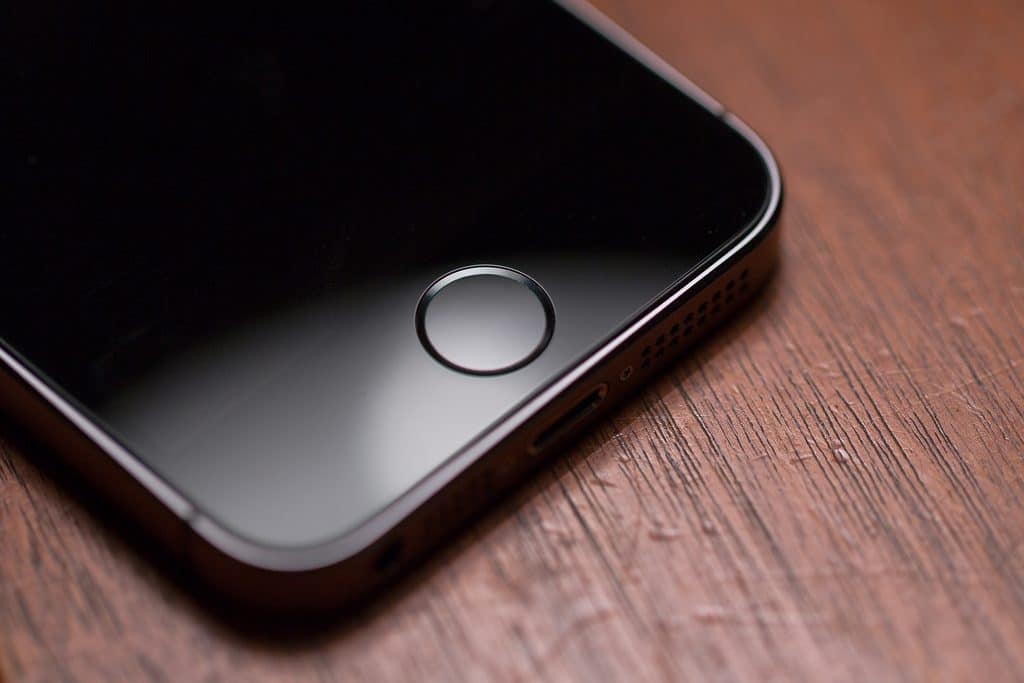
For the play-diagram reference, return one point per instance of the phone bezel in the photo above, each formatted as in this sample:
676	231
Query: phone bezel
369	534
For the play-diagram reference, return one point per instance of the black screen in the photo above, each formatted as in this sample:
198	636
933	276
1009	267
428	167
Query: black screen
219	222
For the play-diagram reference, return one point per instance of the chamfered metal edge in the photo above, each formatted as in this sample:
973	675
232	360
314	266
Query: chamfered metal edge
351	543
361	537
147	478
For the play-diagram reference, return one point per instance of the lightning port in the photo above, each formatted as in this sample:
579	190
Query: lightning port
567	421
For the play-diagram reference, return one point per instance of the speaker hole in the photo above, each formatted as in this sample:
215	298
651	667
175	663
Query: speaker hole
387	560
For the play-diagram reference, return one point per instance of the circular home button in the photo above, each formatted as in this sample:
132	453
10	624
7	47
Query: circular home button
485	320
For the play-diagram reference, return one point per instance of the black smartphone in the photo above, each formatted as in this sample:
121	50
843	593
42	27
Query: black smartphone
304	287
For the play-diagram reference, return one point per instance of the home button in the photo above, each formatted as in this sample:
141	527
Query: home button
485	320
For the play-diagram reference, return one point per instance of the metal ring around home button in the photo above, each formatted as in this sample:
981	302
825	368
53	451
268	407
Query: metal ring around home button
485	319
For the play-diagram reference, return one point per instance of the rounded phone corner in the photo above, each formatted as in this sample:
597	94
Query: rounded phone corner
768	220
290	580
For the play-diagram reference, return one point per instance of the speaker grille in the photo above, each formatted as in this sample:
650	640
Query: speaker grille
684	326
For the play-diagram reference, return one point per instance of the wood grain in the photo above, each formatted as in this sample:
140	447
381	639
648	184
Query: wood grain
829	489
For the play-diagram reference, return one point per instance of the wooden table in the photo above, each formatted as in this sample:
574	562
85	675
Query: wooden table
829	489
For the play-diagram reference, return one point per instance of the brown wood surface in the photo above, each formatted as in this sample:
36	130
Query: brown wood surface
829	489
